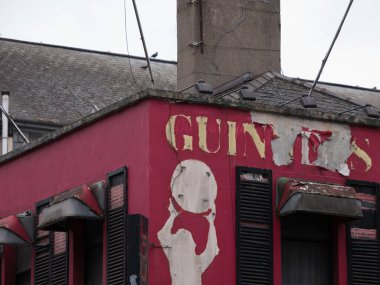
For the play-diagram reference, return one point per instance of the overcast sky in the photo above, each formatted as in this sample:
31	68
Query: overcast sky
308	27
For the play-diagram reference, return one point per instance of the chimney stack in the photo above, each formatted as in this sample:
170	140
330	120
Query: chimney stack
219	40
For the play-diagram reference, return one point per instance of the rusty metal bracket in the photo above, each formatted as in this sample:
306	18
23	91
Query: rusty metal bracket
192	2
195	44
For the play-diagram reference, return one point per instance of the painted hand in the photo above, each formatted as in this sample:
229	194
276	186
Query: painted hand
172	209
211	216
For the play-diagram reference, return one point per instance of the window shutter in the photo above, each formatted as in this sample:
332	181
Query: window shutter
116	218
363	237
51	255
254	226
59	258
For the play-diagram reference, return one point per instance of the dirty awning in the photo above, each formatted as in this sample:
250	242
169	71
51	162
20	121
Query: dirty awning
319	198
13	231
78	203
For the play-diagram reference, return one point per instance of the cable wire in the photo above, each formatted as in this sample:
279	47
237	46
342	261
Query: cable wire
330	48
126	41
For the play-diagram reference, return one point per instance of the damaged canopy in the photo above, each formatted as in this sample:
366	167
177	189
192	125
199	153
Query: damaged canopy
318	198
16	231
83	202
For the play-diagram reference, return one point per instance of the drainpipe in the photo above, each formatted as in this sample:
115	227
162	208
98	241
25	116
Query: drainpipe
4	120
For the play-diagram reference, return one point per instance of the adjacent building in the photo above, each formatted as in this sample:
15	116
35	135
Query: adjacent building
51	86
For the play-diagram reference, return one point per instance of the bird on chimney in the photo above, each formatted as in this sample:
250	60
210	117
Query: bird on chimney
154	55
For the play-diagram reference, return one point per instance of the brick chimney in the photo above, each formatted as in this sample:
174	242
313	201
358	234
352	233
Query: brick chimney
219	40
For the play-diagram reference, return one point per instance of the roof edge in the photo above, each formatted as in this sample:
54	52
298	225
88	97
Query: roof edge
342	85
87	50
185	98
317	88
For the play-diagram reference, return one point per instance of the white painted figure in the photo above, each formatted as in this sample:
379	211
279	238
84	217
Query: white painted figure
194	189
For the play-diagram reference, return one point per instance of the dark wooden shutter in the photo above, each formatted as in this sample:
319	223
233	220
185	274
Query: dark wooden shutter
59	258
51	255
363	237
254	226
116	218
42	251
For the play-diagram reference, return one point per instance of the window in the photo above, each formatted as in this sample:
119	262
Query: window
311	224
93	253
18	140
363	237
138	249
31	131
254	226
306	245
23	258
72	218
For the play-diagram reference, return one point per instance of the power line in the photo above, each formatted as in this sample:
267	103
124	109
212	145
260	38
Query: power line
143	41
329	51
126	40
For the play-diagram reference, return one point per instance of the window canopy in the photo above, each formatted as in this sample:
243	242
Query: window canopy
85	202
16	230
294	195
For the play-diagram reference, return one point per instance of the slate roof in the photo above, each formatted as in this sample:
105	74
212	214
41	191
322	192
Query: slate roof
59	85
354	94
275	89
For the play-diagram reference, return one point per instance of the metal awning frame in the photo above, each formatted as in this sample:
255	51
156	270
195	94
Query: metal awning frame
16	230
300	196
83	203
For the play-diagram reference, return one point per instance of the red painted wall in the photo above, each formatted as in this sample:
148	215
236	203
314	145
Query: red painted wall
164	159
136	137
81	157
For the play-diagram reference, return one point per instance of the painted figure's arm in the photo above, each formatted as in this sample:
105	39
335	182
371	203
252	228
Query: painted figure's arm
212	248
165	235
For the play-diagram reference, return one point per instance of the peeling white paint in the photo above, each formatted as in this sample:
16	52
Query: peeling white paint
194	188
332	153
133	279
344	170
305	147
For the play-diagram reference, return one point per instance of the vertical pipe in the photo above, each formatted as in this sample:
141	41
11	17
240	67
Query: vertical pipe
4	120
201	25
5	113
